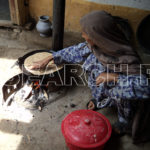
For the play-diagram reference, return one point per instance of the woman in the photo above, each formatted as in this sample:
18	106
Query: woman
106	46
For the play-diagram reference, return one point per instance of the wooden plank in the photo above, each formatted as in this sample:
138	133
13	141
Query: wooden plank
19	11
9	24
5	23
12	11
22	11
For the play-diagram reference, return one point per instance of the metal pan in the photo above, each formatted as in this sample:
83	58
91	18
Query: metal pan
21	61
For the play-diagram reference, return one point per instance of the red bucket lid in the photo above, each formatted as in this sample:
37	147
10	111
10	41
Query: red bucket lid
86	128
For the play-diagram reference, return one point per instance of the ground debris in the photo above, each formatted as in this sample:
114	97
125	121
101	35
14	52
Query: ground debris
66	106
17	30
29	26
72	105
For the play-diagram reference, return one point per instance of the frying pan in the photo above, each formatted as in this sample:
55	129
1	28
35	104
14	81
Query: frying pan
22	59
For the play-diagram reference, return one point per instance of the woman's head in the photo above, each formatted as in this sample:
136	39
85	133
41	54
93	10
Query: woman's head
99	28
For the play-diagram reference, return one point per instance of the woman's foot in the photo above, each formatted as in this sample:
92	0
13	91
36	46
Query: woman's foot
120	129
91	105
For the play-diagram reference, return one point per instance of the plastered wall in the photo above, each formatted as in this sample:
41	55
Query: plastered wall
141	4
134	10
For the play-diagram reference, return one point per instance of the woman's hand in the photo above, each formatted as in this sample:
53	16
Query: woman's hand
106	77
42	63
91	106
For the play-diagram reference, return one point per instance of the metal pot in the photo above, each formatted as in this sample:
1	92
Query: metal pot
44	26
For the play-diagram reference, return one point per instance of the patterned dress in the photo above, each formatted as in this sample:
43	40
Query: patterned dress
127	89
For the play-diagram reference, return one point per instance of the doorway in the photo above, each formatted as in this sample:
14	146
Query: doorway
4	10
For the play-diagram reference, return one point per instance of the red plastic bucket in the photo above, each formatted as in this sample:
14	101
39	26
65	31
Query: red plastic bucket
86	130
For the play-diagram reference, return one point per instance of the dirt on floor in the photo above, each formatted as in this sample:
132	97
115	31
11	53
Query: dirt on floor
24	129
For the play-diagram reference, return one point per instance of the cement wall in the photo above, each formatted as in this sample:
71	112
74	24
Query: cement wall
134	10
141	4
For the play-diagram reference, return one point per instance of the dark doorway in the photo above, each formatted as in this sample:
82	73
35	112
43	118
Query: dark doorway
4	10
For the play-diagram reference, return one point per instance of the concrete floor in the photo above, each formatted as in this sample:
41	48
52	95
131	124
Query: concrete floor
22	129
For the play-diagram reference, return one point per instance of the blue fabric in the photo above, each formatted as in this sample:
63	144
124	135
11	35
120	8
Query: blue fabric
132	87
72	54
